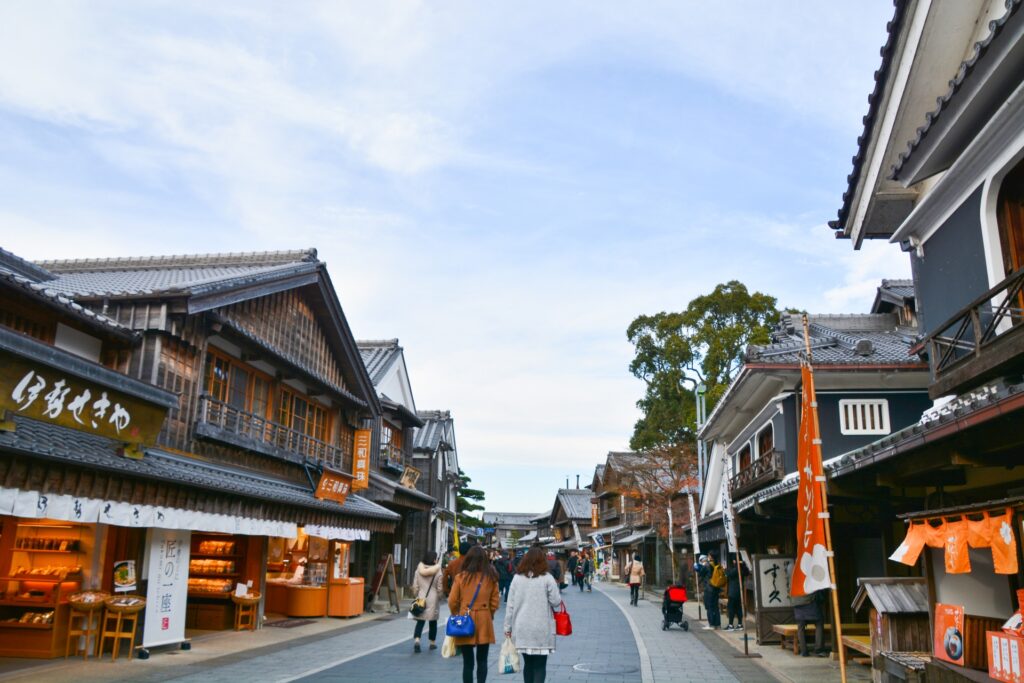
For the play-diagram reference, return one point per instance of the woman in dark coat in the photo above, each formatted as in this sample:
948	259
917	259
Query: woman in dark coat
476	571
735	605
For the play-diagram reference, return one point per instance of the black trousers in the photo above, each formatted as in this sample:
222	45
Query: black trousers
819	634
535	668
711	606
634	593
431	633
467	662
735	609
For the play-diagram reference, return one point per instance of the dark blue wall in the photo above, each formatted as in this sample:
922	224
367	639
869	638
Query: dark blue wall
952	272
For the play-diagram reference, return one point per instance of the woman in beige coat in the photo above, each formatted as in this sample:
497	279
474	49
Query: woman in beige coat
477	571
427	585
635	575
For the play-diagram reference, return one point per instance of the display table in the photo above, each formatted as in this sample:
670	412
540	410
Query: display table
307	601
346	597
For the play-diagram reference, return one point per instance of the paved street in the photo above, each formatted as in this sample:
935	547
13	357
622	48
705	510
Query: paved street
612	642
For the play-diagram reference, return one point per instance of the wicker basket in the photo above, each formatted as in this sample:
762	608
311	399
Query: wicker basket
113	606
81	605
250	599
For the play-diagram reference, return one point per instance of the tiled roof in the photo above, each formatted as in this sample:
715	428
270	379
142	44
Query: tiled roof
50	441
599	472
874	103
435	430
542	517
378	356
967	67
900	288
617	458
43	293
635	537
180	275
15	264
575	502
858	339
510	518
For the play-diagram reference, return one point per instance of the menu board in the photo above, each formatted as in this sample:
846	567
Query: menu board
771	574
1004	656
167	571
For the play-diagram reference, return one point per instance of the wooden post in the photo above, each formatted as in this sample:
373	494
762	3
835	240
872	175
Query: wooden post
838	630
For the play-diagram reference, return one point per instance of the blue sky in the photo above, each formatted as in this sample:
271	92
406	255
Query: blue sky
503	187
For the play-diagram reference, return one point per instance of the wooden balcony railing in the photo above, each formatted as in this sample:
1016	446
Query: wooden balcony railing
391	458
768	468
218	420
980	341
609	514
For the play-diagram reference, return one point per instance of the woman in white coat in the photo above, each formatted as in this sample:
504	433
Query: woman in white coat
528	618
427	585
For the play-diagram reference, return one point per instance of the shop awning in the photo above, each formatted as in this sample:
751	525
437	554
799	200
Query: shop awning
634	538
607	531
55	460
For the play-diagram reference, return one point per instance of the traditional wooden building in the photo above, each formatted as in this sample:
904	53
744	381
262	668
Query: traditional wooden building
939	170
394	478
437	457
271	396
502	530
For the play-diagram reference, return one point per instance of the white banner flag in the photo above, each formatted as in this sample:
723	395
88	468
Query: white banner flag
727	516
693	525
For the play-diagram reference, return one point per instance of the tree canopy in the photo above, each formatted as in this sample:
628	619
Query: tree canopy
703	344
466	501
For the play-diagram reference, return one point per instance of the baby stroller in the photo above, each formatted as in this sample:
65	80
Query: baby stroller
672	608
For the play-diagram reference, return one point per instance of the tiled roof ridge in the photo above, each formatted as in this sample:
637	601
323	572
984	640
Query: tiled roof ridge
227	259
23	267
978	51
874	102
382	343
897	282
434	414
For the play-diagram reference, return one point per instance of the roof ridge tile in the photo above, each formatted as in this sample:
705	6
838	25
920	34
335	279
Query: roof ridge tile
182	261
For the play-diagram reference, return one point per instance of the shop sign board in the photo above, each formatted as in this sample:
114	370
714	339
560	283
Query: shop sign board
46	394
361	460
593	515
410	476
167	592
772	581
1004	656
949	643
124	576
334	485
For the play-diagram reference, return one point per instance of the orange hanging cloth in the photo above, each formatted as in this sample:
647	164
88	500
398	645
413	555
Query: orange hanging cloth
957	559
1004	543
912	545
979	532
935	536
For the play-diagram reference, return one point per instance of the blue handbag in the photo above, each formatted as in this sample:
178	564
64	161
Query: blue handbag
461	625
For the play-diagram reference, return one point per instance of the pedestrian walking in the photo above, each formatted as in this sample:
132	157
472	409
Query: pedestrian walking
572	565
713	577
475	590
506	571
807	609
585	571
734	606
634	576
426	584
555	569
453	568
528	618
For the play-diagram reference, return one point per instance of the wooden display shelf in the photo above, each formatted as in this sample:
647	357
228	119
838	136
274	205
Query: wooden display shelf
18	624
58	552
205	556
213	576
31	603
45	579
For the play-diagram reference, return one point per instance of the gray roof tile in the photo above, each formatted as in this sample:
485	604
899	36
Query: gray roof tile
44	293
438	426
575	502
50	441
835	340
893	595
378	356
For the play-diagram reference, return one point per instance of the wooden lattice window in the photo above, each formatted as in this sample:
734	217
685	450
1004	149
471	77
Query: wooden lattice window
864	416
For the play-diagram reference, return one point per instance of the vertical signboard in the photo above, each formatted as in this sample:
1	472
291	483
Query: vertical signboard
593	515
361	460
167	593
693	525
949	633
771	576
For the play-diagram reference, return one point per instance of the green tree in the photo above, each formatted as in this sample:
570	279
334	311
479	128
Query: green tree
467	500
703	344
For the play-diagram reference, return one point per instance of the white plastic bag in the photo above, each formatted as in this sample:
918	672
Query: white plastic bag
508	661
448	647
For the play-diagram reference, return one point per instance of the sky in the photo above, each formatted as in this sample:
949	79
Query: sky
501	186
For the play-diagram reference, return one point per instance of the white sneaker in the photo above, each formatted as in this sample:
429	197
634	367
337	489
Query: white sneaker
708	628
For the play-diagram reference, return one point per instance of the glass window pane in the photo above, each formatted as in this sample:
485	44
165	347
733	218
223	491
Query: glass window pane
239	388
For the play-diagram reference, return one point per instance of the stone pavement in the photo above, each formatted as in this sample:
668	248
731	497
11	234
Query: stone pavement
600	650
676	655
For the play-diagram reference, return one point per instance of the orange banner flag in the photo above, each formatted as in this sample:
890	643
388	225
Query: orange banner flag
810	571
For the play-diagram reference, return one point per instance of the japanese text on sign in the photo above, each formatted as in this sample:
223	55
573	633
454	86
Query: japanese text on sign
52	405
773	581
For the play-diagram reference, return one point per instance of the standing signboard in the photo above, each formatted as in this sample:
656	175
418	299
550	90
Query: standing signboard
949	642
167	572
772	602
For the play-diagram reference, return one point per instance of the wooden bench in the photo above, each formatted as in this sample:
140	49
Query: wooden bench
788	632
861	644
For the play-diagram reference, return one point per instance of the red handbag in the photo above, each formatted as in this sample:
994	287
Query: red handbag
563	624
